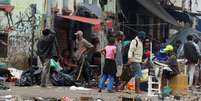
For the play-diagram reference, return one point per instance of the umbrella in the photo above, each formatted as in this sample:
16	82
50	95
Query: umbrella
181	35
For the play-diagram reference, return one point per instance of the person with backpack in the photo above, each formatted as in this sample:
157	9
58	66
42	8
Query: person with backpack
135	55
192	54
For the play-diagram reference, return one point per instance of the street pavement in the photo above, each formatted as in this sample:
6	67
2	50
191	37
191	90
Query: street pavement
59	92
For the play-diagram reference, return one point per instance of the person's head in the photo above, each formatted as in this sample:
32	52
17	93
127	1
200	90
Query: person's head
189	38
46	32
168	49
141	35
120	35
146	43
79	34
196	41
178	43
111	41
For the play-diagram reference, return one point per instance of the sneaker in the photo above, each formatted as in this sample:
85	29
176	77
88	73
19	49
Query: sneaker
110	91
99	90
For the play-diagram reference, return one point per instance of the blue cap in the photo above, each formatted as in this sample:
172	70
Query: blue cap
141	35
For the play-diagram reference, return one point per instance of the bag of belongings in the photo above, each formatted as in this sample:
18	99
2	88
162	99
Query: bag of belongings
30	77
57	77
61	79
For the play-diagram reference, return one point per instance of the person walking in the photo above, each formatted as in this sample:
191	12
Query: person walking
46	48
135	55
119	56
192	54
109	69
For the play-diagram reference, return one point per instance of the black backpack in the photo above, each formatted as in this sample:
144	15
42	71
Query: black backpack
190	52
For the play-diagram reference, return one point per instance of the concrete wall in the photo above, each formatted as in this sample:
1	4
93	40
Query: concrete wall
21	33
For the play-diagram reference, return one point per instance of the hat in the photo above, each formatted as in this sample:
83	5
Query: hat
79	33
168	48
141	35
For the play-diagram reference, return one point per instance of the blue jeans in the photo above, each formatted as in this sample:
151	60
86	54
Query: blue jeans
102	80
137	72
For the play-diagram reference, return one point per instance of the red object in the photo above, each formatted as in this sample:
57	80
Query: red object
147	53
84	19
109	23
93	21
6	8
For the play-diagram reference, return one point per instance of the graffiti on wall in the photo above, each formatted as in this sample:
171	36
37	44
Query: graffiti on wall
20	37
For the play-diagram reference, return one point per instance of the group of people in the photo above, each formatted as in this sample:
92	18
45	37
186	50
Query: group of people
114	60
138	53
47	50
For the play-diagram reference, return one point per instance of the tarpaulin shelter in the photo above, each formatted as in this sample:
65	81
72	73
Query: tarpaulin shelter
158	10
180	16
95	22
92	8
183	33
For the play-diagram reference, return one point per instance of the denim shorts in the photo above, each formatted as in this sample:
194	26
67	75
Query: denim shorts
137	72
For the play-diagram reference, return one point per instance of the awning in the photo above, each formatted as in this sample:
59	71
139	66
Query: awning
6	8
95	22
159	11
180	16
84	19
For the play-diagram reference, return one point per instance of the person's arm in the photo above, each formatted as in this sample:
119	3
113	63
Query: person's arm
131	50
115	52
197	48
103	51
180	52
87	44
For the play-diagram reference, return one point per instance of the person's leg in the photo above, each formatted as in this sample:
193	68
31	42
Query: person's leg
102	80
119	70
196	75
137	75
191	74
86	69
45	73
110	83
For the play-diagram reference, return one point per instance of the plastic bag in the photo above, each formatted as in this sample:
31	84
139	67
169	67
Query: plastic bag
30	77
61	79
167	90
55	65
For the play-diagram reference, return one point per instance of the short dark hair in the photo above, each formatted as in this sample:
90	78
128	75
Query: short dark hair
46	32
111	40
189	38
178	41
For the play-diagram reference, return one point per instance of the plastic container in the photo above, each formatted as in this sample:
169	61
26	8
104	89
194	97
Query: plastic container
179	84
3	65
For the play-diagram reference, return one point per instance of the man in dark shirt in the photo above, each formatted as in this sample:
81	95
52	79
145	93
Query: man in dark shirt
46	48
